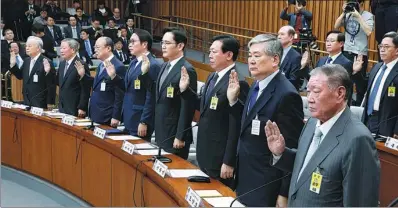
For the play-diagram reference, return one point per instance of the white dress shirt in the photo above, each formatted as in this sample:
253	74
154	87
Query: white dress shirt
264	83
139	59
223	72
173	62
334	58
32	62
285	51
74	32
390	65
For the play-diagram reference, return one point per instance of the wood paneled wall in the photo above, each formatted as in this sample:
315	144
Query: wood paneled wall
262	15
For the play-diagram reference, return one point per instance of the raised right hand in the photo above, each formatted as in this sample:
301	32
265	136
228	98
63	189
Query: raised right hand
145	65
233	87
305	60
184	79
13	59
357	65
276	142
80	68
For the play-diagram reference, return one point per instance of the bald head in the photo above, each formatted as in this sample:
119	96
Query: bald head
286	35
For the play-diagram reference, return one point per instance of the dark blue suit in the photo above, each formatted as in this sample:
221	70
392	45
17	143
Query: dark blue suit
290	65
280	103
139	104
105	105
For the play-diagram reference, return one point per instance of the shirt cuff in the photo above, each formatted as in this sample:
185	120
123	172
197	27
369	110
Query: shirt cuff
275	158
232	104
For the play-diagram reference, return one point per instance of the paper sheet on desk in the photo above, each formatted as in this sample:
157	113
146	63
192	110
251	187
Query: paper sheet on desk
54	114
208	193
123	137
145	146
223	202
185	173
151	152
85	124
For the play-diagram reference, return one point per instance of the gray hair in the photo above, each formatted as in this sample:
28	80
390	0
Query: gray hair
273	46
108	42
337	76
73	44
38	41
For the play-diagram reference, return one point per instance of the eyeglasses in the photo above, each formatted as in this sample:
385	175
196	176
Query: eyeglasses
330	41
384	46
166	43
134	41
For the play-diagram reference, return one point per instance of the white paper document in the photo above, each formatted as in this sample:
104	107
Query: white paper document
145	146
82	120
185	173
123	137
223	202
208	193
151	152
85	124
54	114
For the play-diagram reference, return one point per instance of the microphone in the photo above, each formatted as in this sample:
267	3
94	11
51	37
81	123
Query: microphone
91	126
162	158
382	138
255	189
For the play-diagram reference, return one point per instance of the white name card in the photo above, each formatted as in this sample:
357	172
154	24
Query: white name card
160	168
68	120
36	111
391	143
193	198
128	147
100	133
6	104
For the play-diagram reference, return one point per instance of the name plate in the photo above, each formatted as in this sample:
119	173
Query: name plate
6	104
128	147
36	111
100	133
68	120
160	168
391	143
193	198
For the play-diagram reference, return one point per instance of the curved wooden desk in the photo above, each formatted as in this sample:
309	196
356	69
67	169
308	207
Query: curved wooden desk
95	170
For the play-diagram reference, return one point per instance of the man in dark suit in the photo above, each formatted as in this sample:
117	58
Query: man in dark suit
291	59
53	31
119	53
102	13
334	46
48	43
5	52
73	79
130	26
271	97
86	44
217	141
139	101
125	39
108	90
38	75
82	19
31	12
336	163
173	112
72	30
95	30
111	30
381	101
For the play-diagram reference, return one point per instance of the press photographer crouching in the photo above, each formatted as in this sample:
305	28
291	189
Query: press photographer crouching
358	25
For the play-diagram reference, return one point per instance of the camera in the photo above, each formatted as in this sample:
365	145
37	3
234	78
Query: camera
308	39
351	6
301	2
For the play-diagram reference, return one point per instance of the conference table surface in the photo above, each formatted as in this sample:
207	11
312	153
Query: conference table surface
93	169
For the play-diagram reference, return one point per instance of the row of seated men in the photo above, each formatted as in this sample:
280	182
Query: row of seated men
247	136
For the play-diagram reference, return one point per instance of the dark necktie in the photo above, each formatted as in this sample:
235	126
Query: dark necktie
372	96
329	60
253	97
66	68
88	48
132	68
121	56
211	86
164	75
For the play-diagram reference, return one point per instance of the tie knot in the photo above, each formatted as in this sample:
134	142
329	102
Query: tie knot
329	60
318	132
384	67
215	77
257	87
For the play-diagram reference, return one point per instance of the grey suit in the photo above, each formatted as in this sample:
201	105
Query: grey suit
347	159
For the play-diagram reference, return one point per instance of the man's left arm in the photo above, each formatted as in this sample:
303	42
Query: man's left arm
51	85
361	188
187	109
366	23
290	118
147	113
307	14
118	84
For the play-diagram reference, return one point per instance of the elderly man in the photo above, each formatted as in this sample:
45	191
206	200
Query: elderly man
108	88
73	79
37	73
336	163
272	96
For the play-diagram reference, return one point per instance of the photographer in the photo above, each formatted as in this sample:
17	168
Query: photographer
358	25
300	19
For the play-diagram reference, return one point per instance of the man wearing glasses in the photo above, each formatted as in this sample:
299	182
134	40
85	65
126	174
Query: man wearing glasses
381	101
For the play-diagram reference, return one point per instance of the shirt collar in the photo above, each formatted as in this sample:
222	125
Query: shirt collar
173	62
108	59
392	63
139	58
264	83
286	50
224	71
35	58
70	60
335	57
325	127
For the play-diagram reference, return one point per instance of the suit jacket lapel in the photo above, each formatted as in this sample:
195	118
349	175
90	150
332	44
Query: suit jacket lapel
285	60
247	105
100	76
35	66
71	67
372	75
158	81
329	142
173	72
390	78
261	101
222	83
203	99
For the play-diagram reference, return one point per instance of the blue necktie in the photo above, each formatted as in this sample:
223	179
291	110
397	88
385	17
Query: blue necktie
329	60
372	96
211	86
17	58
88	48
253	97
132	68
101	68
